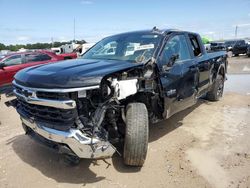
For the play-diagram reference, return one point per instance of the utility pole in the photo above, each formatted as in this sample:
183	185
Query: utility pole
52	42
236	31
74	29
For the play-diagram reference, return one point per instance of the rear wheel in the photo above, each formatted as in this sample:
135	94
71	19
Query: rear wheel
216	91
136	136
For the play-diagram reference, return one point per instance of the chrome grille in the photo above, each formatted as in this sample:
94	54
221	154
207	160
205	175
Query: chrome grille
57	110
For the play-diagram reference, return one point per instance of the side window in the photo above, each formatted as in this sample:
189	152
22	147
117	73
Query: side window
176	46
36	57
195	45
13	60
44	57
31	58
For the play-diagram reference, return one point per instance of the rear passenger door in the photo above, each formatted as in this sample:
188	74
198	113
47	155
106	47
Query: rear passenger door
178	78
202	62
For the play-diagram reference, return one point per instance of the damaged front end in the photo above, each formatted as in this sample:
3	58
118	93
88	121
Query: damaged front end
83	122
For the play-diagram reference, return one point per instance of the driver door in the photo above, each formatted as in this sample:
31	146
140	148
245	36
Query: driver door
178	75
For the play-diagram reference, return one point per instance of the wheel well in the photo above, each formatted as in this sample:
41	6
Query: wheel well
152	101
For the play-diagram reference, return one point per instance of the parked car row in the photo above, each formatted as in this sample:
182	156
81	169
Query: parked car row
217	46
10	64
235	46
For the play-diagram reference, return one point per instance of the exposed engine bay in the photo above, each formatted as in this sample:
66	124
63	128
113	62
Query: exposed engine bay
101	112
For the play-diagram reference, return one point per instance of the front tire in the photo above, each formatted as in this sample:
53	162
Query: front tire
136	136
216	92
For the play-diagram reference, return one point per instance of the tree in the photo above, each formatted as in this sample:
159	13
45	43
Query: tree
2	46
205	40
38	45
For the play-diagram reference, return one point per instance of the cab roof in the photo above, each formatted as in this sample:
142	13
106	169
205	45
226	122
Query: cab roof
155	30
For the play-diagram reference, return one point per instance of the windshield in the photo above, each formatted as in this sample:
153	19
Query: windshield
134	47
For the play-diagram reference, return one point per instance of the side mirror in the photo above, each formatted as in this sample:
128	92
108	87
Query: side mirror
2	65
171	62
173	59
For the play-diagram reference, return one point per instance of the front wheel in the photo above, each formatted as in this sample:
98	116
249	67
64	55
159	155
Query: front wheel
136	136
216	91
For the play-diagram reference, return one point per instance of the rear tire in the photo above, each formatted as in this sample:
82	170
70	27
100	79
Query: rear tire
216	92
136	136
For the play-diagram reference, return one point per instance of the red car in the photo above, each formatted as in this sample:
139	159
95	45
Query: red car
10	64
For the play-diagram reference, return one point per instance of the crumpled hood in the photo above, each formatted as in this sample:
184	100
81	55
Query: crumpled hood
70	73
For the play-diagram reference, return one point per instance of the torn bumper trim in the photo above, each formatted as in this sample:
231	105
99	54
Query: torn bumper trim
81	145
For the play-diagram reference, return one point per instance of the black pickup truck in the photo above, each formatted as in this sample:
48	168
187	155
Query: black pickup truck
84	107
236	46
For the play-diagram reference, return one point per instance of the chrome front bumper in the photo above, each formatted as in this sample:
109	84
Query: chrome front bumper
81	145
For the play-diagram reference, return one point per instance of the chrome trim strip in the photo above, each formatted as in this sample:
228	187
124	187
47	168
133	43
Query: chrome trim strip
62	104
80	144
57	90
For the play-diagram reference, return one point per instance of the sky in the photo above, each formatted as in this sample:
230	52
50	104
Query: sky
30	21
